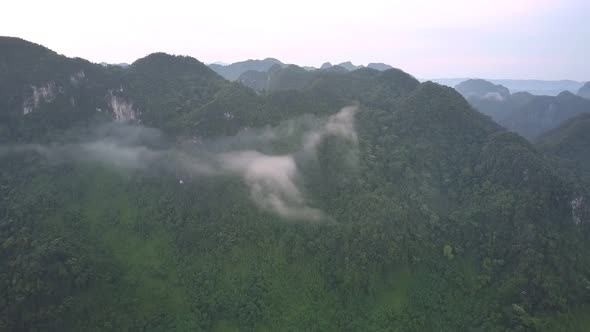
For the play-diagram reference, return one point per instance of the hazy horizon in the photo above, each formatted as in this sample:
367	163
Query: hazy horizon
429	39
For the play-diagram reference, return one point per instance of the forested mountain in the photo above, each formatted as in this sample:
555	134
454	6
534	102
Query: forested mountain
326	65
570	143
165	198
522	112
544	113
256	80
379	66
35	81
44	93
349	66
535	87
364	84
254	69
233	71
540	87
482	89
585	91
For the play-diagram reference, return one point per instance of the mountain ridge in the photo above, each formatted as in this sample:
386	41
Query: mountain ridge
585	91
527	114
338	200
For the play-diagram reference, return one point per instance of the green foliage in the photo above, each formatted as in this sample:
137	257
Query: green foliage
528	115
570	144
448	251
87	247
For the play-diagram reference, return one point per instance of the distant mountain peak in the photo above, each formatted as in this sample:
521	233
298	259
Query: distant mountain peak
349	66
326	65
175	63
527	114
566	94
233	71
585	91
482	89
379	66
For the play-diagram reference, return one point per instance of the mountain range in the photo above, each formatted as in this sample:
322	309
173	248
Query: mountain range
522	112
161	196
570	143
535	87
233	71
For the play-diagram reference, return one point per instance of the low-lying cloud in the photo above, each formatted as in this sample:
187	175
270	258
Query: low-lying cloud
273	180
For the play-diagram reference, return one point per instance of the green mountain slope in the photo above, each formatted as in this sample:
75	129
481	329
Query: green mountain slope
521	112
277	210
544	113
163	87
232	71
570	143
378	88
43	93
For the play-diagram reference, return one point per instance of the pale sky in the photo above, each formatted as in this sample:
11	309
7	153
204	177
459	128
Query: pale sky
533	39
